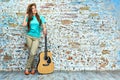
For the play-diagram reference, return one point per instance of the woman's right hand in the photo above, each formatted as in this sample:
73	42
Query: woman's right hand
24	22
26	15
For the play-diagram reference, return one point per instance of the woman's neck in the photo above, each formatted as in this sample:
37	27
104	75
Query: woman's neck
34	14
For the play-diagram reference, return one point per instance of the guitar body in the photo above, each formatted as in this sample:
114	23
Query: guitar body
45	66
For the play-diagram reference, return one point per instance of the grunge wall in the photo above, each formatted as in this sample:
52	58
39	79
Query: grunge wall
82	34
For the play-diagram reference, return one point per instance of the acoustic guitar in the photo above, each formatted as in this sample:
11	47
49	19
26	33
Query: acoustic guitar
45	65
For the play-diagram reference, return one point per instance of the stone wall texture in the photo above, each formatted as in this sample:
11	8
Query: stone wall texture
82	34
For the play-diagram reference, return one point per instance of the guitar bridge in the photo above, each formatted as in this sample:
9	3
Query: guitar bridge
46	64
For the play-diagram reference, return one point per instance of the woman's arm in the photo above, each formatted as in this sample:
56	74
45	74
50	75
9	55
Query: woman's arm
44	29
25	22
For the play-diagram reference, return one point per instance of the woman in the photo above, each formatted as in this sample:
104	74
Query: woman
35	24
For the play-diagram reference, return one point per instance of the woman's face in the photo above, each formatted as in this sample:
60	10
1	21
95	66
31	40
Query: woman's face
34	10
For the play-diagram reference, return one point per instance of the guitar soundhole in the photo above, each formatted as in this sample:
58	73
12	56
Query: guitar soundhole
49	60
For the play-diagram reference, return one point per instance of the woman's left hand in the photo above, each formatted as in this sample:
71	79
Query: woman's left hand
45	31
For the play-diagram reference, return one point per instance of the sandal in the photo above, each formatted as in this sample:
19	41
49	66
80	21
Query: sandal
26	72
33	71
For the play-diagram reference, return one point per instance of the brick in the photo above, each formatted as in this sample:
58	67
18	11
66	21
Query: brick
66	22
105	52
49	4
69	58
7	58
13	25
93	14
68	52
1	50
102	45
84	8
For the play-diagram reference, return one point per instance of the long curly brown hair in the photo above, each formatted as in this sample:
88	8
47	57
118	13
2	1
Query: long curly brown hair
30	15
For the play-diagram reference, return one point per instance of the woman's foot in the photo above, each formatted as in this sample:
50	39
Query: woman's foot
33	71
26	72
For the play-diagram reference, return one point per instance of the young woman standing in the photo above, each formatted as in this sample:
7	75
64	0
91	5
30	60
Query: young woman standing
36	24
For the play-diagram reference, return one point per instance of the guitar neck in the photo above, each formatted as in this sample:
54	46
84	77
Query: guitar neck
45	47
